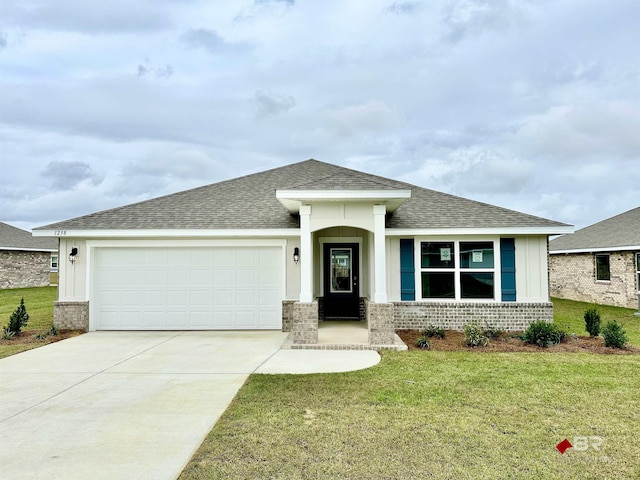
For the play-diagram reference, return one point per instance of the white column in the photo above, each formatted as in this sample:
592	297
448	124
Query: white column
306	255
380	257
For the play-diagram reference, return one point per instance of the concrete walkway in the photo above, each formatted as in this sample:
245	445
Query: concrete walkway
118	405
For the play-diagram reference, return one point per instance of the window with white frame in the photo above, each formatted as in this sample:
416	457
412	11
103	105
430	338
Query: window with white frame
457	270
54	263
638	270
603	270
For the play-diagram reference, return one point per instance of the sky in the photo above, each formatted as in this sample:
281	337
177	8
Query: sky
529	105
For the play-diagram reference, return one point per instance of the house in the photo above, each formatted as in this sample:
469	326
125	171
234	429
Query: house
290	247
599	263
25	261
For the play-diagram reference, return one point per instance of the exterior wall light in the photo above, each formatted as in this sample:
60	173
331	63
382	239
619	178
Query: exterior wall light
73	254
296	255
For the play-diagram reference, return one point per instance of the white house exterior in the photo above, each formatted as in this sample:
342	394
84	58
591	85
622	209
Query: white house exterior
289	247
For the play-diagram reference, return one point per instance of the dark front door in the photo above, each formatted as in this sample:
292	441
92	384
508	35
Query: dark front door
341	281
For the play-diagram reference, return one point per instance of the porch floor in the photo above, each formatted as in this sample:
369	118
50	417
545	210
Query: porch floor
343	335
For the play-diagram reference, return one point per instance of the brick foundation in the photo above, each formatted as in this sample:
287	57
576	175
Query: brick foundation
287	315
511	316
305	322
71	315
380	322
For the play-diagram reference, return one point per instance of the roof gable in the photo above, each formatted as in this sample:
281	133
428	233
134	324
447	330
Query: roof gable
620	231
250	202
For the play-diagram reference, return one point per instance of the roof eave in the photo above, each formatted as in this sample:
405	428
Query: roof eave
293	199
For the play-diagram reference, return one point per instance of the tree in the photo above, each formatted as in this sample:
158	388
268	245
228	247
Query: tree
18	319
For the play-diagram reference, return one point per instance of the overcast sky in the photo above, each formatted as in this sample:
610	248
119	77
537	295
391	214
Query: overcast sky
534	106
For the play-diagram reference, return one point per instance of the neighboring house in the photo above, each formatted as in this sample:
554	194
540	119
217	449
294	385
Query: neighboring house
599	263
25	261
289	247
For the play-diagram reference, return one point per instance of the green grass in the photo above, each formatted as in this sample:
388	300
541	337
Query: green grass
39	304
429	414
569	315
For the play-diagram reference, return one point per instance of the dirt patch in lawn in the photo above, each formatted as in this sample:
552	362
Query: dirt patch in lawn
31	337
509	342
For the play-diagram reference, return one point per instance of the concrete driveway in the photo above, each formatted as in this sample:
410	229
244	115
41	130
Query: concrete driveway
131	404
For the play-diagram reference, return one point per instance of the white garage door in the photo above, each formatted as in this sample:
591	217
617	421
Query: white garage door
213	288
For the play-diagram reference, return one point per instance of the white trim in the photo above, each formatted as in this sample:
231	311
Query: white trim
331	195
502	231
170	233
19	249
596	250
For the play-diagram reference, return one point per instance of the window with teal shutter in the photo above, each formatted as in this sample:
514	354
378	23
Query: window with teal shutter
407	270
508	269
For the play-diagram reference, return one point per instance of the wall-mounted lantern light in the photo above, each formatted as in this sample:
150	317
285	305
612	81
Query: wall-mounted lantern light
296	254
73	254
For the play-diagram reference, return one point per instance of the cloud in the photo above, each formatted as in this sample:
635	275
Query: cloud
403	8
210	41
3	40
264	2
268	104
89	17
574	133
372	116
67	174
463	18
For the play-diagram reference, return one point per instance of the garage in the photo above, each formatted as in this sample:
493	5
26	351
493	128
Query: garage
186	288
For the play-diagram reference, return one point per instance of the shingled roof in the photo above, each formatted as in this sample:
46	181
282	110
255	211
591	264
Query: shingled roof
613	233
13	238
250	202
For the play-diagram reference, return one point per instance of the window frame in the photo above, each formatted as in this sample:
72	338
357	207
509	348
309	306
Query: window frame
57	263
597	271
457	269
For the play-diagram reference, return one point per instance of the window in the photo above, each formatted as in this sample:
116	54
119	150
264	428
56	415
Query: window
603	272
54	263
463	270
638	270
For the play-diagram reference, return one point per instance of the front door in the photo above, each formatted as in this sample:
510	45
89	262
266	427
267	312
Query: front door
341	281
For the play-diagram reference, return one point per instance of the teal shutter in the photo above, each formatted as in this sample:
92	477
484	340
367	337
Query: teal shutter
407	270
508	269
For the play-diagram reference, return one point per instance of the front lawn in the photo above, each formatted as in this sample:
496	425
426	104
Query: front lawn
434	414
39	304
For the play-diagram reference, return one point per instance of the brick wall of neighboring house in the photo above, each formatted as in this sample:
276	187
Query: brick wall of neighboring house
508	316
573	276
20	269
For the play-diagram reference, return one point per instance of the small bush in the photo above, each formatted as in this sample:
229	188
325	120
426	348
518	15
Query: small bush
493	333
423	343
432	331
474	335
614	335
7	335
544	334
18	319
592	322
53	332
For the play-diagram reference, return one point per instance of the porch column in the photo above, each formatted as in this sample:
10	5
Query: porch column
380	257
306	255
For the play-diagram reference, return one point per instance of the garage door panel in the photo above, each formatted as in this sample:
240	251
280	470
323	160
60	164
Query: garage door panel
187	288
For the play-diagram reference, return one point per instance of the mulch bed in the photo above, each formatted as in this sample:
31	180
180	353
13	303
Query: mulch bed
509	342
28	337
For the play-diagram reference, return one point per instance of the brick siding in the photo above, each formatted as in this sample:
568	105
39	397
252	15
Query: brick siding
509	316
305	322
71	315
24	269
573	277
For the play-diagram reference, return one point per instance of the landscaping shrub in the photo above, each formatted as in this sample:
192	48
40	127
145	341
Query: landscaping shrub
592	322
432	331
544	334
18	319
493	333
614	335
474	335
422	342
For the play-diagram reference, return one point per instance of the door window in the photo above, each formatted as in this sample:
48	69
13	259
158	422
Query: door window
341	271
